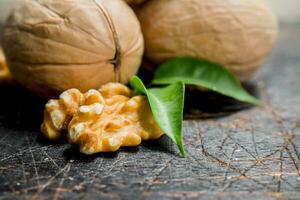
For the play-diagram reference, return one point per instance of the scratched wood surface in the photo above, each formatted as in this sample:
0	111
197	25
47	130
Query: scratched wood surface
233	151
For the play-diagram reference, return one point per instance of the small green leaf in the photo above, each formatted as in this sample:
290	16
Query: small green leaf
167	107
205	74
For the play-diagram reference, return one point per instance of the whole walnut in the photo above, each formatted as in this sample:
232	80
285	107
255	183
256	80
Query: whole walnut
52	46
236	34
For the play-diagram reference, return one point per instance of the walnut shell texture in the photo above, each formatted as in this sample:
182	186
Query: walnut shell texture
52	46
236	34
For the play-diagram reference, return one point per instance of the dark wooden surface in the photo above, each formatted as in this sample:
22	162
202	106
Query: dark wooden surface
252	153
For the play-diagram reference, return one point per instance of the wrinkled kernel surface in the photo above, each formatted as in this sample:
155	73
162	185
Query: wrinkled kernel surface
104	120
58	113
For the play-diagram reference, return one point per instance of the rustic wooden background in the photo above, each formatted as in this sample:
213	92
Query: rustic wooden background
233	151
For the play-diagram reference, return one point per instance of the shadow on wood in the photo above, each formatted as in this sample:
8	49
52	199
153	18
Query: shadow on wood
20	110
202	104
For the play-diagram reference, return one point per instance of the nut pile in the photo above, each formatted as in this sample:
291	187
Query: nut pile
100	120
50	45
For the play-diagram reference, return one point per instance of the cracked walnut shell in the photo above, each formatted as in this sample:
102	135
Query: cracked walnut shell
107	120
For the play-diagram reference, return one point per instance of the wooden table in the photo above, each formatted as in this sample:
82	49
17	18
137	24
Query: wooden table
233	151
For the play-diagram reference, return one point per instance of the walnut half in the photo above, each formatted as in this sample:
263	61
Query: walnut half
105	120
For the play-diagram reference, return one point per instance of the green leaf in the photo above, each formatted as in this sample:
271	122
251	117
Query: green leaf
205	74
167	107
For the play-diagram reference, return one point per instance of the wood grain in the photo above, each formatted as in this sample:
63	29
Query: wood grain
233	151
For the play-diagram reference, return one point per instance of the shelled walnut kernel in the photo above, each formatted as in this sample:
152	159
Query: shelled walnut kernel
58	113
4	72
105	120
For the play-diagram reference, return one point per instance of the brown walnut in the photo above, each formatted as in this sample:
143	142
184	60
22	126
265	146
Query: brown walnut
236	34
52	46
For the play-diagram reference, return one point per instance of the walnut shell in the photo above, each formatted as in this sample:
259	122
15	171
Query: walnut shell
236	34
52	46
